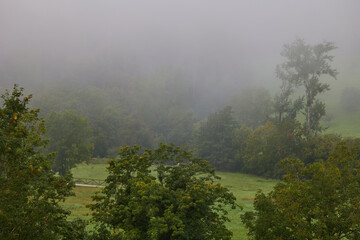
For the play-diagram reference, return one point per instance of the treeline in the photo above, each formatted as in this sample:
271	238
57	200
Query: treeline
88	121
231	146
252	134
145	112
85	122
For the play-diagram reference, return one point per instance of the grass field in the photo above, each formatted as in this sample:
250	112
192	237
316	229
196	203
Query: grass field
243	186
345	124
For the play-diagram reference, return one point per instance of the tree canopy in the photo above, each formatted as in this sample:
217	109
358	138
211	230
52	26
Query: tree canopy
164	193
214	139
315	201
304	65
69	135
29	191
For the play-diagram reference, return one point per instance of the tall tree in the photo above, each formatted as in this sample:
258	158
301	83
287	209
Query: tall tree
69	135
304	66
29	191
284	107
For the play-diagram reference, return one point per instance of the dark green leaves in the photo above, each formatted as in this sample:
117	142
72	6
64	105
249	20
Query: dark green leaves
315	201
164	193
29	192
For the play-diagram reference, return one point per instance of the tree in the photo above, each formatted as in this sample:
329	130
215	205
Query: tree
69	136
284	106
214	139
315	201
269	144
304	66
162	194
114	128
252	107
29	192
319	147
163	102
240	137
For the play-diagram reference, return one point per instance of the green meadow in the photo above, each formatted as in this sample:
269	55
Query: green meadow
348	125
243	186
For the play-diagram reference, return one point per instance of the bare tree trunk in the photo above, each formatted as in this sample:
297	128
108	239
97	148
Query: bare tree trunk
308	119
280	117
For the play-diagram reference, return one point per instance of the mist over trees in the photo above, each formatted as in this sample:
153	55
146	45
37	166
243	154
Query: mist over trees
253	134
219	48
304	66
211	76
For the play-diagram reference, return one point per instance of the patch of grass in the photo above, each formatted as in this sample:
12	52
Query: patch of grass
77	204
243	186
95	171
346	124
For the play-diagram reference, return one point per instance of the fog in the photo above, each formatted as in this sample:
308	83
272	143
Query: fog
219	46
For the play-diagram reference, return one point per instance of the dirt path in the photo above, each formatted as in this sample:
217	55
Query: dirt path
88	185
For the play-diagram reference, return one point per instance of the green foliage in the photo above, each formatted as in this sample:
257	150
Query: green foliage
239	141
164	193
69	136
252	107
316	201
143	111
244	193
113	128
304	66
271	143
29	192
162	102
319	147
214	139
284	107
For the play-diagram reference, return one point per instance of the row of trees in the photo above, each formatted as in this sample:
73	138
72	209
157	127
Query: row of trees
145	111
230	147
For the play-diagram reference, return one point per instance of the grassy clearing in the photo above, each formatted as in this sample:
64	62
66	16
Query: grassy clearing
243	186
345	124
